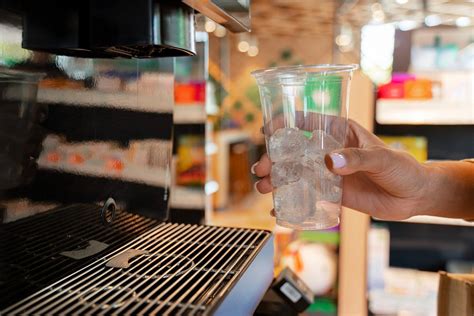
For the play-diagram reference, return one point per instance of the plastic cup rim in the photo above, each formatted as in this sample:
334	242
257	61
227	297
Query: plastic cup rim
317	69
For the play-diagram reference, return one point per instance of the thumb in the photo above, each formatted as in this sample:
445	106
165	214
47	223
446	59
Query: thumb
350	160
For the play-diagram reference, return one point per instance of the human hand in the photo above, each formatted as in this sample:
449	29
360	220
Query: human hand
379	181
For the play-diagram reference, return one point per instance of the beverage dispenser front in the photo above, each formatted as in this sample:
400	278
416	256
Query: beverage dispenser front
86	131
80	128
85	155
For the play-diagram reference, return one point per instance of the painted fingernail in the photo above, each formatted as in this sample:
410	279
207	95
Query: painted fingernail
252	169
338	160
255	186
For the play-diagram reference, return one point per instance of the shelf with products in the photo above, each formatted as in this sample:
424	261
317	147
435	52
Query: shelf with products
189	161
424	112
427	97
441	49
189	118
425	219
181	197
138	174
188	171
189	113
184	113
143	161
221	162
116	100
429	111
403	289
190	85
438	73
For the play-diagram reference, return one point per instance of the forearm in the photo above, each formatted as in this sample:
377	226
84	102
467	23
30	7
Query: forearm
450	190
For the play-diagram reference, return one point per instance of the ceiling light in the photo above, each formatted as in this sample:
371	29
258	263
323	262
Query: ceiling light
376	7
211	148
211	187
402	1
343	40
378	16
210	26
407	25
463	21
243	46
220	31
432	20
253	51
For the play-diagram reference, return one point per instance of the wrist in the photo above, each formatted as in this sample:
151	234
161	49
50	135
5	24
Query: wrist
432	189
431	179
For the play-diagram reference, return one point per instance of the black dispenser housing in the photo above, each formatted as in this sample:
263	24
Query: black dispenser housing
109	28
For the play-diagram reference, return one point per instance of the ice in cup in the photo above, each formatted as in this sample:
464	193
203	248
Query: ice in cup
305	117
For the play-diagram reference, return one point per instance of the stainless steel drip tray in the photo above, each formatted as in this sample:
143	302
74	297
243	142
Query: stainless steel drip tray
174	269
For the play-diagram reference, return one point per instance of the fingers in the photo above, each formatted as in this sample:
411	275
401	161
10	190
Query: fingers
358	136
264	185
262	167
347	161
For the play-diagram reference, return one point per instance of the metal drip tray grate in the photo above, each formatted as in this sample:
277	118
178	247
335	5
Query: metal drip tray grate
174	269
40	250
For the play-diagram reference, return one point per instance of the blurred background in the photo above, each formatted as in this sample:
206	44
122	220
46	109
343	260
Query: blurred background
414	89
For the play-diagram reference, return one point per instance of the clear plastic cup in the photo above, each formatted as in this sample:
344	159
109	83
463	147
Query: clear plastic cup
305	117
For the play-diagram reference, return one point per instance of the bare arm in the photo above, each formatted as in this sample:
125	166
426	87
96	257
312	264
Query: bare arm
450	189
391	184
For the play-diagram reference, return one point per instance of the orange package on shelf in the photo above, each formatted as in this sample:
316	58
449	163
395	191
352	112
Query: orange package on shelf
418	89
200	91
392	90
184	93
60	83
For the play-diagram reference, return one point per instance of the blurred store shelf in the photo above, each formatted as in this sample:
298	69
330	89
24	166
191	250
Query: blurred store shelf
425	112
187	198
438	220
96	98
224	139
424	219
405	292
137	174
194	113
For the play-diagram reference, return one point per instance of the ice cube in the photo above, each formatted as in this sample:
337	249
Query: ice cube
327	142
324	173
330	186
285	172
330	191
320	144
287	144
300	176
326	212
311	168
315	169
310	164
326	184
294	202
